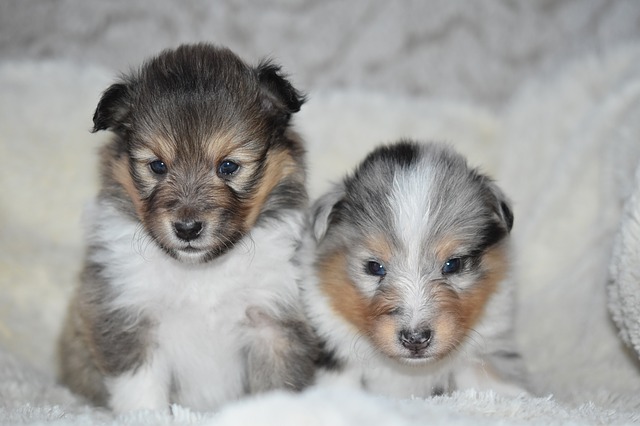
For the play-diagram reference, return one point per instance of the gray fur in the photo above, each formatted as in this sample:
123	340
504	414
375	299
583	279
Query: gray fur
281	352
98	341
464	210
360	203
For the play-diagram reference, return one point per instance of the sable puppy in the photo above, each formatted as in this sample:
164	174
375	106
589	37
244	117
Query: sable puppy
189	291
410	287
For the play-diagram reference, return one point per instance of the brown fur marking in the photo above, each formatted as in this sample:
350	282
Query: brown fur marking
384	333
345	298
459	312
380	246
160	147
475	299
121	174
446	248
279	165
370	316
225	145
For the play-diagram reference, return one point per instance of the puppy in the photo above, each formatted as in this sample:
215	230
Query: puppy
410	288
189	291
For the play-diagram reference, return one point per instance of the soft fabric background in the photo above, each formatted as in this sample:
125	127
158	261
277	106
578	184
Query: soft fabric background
544	95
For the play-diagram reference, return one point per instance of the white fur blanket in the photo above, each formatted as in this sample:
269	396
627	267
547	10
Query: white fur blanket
565	149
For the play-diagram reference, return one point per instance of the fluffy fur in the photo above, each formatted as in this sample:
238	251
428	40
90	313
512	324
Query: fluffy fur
410	285
189	290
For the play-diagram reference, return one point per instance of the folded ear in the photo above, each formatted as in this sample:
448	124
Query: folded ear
503	205
279	95
323	209
507	214
113	108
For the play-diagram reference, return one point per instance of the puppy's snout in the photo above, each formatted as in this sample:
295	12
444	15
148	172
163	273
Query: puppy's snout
415	340
188	230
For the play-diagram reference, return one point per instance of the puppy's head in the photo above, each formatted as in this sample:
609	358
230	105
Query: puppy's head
202	148
410	248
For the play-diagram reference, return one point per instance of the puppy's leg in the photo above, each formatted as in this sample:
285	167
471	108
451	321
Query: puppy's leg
280	350
136	373
109	353
110	365
77	368
146	387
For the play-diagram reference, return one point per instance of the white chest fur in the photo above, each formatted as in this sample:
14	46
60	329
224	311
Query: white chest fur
198	312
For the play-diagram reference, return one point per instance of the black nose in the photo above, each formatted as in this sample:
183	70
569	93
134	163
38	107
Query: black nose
188	230
415	340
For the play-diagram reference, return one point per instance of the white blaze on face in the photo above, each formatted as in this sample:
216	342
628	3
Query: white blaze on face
412	219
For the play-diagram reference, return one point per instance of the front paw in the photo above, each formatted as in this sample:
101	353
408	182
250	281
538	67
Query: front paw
141	389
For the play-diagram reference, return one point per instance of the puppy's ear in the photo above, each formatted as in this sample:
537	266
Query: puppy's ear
113	108
503	205
507	214
322	211
279	95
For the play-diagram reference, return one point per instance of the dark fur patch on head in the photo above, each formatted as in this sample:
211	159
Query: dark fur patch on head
363	198
403	154
362	191
193	110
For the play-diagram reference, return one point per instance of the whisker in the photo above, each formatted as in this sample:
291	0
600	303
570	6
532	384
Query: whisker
357	348
476	339
250	245
141	240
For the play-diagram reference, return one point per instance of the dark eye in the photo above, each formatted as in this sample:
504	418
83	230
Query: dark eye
452	266
158	167
227	168
376	269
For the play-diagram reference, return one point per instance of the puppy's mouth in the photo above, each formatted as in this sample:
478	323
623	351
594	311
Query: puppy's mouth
194	253
424	356
194	242
191	253
191	249
415	358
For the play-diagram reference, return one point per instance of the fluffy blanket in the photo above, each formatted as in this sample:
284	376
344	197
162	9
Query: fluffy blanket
565	149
